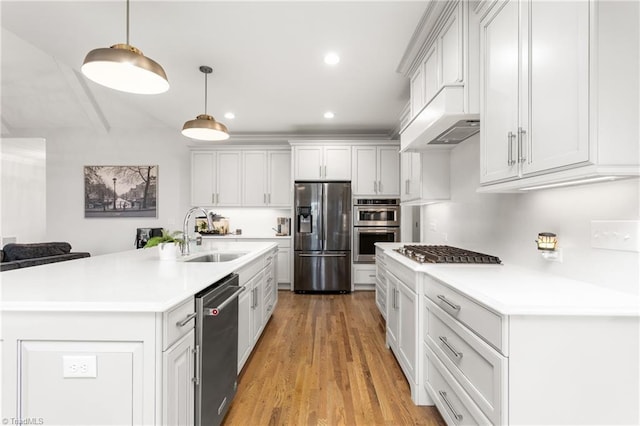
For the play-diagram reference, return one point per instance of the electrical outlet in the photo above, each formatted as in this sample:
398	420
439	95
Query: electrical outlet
79	366
616	235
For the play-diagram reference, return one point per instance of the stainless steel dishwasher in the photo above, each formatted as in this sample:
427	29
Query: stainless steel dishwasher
216	376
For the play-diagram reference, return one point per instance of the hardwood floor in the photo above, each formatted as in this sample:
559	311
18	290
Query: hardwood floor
322	360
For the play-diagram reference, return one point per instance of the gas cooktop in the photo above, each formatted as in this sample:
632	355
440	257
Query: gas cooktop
445	254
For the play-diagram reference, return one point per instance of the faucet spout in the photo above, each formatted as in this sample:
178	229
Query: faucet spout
185	227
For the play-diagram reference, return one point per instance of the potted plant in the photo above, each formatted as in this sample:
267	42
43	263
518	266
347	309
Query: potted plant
168	244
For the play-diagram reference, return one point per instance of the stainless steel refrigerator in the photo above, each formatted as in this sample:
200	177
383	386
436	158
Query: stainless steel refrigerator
322	239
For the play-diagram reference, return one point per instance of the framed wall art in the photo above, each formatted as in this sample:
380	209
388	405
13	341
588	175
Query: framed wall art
120	191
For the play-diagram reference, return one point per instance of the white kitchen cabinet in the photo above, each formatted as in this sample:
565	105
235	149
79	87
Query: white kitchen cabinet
363	276
216	178
551	97
177	384
381	282
410	170
320	162
245	325
257	306
284	265
266	178
376	170
426	177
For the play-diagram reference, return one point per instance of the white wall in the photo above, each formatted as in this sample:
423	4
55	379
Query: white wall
68	151
506	225
23	200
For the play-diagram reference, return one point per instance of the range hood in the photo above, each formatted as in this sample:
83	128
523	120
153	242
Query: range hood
441	123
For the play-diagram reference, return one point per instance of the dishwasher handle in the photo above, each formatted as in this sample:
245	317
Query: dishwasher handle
215	311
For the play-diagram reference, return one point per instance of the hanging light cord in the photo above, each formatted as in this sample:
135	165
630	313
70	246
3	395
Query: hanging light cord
205	93
127	22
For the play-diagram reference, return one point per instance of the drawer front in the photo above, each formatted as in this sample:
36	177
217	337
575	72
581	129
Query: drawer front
453	403
476	366
381	297
249	271
485	323
364	275
404	274
175	324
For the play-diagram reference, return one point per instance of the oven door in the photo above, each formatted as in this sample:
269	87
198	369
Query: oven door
365	238
376	215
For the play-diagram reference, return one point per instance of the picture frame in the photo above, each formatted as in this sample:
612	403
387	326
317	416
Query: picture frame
120	191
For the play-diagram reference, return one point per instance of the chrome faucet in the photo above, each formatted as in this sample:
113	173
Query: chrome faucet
185	228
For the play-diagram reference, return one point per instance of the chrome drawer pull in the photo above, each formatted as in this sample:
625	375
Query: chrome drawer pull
453	350
446	401
186	320
449	303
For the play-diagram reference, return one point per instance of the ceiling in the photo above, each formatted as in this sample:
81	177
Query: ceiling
267	60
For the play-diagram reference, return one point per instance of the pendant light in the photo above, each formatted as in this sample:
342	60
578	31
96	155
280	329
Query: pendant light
205	127
124	67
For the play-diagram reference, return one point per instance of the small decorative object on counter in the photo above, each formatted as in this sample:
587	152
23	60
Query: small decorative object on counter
238	231
168	244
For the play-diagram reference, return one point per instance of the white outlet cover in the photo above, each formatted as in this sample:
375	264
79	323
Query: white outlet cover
79	366
616	235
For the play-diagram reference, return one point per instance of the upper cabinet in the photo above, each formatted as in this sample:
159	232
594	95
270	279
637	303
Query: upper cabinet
376	170
243	177
322	162
266	178
554	107
215	178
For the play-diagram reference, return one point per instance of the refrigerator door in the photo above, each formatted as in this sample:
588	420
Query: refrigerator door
337	216
308	216
322	271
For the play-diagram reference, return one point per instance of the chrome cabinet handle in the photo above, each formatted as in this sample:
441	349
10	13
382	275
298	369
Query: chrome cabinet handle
320	171
196	369
269	198
379	186
443	395
521	157
445	342
375	186
213	198
186	320
325	171
264	198
510	160
449	303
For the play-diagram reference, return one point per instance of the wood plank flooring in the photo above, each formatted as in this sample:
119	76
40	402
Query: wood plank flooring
322	360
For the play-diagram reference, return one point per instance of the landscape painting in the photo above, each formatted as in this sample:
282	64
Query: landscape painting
120	191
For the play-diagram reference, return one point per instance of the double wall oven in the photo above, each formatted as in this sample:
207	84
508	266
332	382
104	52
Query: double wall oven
375	220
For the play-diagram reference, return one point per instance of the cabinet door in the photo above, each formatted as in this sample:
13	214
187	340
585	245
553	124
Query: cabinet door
365	180
393	311
280	186
254	184
557	98
203	166
178	388
284	265
417	91
258	305
308	163
388	171
337	163
499	93
450	39
415	177
229	178
432	79
245	325
407	329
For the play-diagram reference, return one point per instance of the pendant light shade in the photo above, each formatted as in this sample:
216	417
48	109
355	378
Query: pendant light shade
205	127
123	67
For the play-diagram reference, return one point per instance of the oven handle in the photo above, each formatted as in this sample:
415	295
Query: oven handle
215	311
369	230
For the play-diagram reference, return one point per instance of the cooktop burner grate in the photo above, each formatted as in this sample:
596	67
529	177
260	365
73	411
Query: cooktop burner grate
445	254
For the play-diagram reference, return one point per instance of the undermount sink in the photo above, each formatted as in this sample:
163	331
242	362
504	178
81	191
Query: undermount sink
217	257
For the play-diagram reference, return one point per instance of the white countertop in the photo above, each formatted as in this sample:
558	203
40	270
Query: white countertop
512	290
248	237
129	281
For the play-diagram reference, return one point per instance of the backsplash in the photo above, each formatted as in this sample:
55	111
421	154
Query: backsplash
254	222
506	225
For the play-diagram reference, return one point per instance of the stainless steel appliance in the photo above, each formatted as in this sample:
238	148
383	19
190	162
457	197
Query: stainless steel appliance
322	240
216	378
445	254
375	220
376	212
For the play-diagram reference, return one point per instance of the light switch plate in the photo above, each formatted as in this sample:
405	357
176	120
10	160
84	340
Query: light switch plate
79	366
616	235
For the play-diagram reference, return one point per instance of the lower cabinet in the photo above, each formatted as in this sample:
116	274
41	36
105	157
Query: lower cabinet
177	384
363	276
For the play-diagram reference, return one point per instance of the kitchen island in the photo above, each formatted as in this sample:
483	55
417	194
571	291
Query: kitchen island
109	339
500	344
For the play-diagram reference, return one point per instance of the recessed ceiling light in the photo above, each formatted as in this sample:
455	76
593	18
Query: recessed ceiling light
229	115
331	58
329	114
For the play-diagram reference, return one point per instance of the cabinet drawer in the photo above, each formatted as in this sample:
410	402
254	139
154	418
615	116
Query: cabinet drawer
364	275
487	324
175	323
453	403
249	271
477	367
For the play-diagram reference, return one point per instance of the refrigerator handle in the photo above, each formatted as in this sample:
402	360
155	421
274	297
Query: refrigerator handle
323	255
324	216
